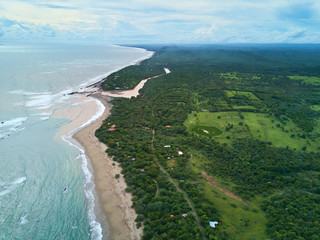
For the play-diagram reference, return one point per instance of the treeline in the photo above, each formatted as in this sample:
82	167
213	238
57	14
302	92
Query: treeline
198	81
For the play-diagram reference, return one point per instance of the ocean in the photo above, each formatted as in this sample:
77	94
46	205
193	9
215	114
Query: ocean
46	187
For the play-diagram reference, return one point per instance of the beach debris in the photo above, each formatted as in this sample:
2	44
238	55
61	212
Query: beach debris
168	126
166	146
180	152
171	215
184	215
74	227
205	131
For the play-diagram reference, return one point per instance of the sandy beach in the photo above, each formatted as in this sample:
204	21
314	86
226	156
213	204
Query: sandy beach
114	202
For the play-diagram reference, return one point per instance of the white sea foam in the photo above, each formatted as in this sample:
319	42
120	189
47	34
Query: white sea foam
43	116
47	100
23	220
95	226
46	73
8	127
23	92
15	122
43	100
8	187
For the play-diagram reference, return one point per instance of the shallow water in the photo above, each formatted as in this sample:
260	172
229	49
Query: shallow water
45	189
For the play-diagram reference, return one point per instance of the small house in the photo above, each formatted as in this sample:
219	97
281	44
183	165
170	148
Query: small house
213	224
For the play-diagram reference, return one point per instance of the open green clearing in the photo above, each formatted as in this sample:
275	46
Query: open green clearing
241	220
306	79
315	107
206	130
260	126
238	117
248	95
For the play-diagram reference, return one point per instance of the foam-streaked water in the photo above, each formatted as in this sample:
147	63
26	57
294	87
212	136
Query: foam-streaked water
46	189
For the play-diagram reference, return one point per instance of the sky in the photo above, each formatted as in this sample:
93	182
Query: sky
161	21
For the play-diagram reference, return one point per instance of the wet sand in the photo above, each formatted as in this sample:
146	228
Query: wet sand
114	202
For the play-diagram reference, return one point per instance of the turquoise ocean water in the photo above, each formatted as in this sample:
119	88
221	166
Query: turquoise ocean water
45	188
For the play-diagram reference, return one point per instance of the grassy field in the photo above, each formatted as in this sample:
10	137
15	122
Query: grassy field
241	220
315	107
260	126
249	95
306	79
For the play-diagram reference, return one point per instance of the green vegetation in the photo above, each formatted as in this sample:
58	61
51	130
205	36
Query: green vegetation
242	149
306	79
240	222
129	77
233	125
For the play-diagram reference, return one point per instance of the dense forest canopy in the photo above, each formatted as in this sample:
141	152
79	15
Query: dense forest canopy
230	135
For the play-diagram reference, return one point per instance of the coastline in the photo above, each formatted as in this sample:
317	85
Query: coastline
114	203
109	205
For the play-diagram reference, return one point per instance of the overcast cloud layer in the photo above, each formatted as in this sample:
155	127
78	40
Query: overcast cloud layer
165	21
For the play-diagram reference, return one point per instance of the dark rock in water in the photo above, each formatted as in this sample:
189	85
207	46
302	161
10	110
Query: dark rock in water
2	122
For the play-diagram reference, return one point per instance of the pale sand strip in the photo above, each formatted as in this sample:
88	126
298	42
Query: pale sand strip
132	92
113	200
80	110
128	93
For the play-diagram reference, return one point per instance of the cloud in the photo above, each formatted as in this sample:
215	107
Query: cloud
297	11
56	6
155	21
206	30
299	34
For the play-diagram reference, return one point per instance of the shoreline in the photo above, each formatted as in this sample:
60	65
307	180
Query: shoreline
109	211
113	202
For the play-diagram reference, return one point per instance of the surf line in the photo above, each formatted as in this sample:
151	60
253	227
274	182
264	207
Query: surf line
95	226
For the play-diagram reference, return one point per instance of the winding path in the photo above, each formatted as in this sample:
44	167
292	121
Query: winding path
176	186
